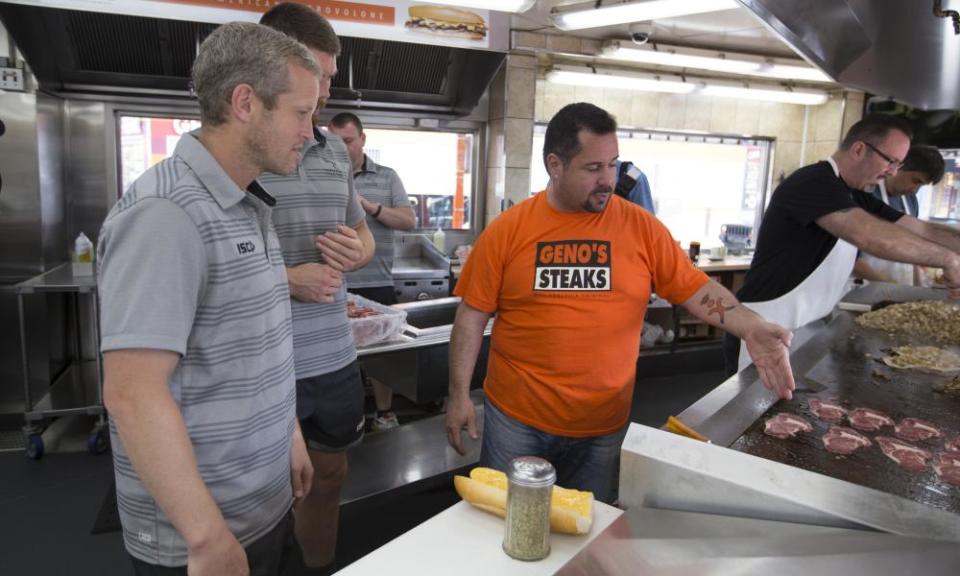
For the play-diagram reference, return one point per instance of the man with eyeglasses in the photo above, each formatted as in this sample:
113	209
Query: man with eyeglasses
923	165
817	220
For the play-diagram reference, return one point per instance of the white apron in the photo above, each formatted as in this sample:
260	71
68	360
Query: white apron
897	271
813	298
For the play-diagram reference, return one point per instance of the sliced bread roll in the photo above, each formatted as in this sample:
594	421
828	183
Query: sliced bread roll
571	511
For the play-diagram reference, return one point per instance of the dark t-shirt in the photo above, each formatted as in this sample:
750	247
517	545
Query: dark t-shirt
790	244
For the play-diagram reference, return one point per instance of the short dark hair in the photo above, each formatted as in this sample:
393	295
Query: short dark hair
344	118
563	131
926	160
303	24
873	128
244	53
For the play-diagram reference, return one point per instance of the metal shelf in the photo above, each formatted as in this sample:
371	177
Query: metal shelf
75	391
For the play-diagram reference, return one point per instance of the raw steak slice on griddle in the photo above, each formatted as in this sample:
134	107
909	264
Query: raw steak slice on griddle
827	411
915	429
906	455
947	468
843	440
953	445
868	420
785	425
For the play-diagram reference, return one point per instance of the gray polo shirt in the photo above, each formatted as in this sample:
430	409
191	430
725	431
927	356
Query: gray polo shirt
190	263
381	185
314	200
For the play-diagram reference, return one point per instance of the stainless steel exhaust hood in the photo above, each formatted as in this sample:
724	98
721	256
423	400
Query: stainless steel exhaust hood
94	52
892	48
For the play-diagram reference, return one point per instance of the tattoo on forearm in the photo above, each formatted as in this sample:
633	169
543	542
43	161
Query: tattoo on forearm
715	306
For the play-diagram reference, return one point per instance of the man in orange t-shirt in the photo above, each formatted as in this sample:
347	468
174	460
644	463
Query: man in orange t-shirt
568	273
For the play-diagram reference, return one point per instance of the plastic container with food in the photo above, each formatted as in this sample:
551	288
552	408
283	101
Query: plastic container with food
372	322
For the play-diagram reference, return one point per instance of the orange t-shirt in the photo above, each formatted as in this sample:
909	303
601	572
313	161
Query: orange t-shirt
570	291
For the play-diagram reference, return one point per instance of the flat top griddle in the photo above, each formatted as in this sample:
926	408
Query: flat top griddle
845	371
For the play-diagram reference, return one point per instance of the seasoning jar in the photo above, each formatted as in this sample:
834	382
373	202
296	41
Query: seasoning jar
527	528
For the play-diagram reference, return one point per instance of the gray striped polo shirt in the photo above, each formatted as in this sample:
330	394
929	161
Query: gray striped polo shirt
380	185
315	199
190	263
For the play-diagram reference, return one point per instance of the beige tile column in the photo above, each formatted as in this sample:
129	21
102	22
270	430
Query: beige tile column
510	131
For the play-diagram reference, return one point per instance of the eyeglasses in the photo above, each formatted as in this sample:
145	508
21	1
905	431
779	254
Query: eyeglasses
893	162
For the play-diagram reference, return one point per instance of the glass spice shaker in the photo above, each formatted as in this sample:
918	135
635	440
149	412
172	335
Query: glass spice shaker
527	528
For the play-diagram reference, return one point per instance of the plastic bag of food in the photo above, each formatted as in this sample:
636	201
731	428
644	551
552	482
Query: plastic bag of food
372	322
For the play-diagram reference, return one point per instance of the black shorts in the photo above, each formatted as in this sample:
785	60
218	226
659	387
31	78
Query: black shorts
383	294
330	409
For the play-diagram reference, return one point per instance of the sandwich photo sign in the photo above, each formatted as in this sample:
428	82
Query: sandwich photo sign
400	20
448	22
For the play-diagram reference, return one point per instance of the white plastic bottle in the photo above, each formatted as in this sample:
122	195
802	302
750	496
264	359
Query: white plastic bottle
440	239
82	263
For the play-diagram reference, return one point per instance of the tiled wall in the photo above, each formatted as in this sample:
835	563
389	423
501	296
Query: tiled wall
784	122
510	133
519	97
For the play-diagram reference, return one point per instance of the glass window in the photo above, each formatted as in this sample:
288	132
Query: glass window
145	140
436	169
942	202
698	183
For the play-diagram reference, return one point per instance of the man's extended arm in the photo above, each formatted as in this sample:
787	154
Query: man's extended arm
893	242
767	343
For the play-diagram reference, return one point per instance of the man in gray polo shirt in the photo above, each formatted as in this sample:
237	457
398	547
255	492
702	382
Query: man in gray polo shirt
195	321
323	236
385	201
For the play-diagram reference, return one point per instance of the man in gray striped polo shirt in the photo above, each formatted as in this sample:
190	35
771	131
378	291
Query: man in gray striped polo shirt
385	201
195	320
323	236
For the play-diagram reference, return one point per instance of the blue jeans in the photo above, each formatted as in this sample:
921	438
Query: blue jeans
583	463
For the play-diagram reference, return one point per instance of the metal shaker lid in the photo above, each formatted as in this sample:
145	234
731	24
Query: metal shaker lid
531	471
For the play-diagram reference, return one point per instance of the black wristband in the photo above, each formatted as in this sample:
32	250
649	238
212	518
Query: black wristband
377	213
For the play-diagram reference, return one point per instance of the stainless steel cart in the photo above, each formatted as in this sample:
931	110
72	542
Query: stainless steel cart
78	389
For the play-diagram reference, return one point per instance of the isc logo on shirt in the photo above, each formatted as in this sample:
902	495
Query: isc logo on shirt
246	247
573	265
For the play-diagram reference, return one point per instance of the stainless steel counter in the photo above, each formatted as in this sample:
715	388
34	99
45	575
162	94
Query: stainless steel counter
59	279
798	480
645	541
415	364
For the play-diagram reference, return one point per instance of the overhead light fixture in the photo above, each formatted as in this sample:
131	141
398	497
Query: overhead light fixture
590	15
670	83
496	5
743	64
581	76
764	93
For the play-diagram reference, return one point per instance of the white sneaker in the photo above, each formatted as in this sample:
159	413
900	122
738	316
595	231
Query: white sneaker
382	423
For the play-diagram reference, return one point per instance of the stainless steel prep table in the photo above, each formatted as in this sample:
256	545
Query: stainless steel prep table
79	388
415	364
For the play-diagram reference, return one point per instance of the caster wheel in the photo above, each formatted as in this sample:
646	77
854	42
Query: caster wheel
98	442
34	447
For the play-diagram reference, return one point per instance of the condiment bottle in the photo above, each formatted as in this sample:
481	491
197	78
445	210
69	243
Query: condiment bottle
694	251
527	528
82	258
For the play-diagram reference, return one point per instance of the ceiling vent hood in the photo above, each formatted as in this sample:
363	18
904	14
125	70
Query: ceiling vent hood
71	51
894	48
